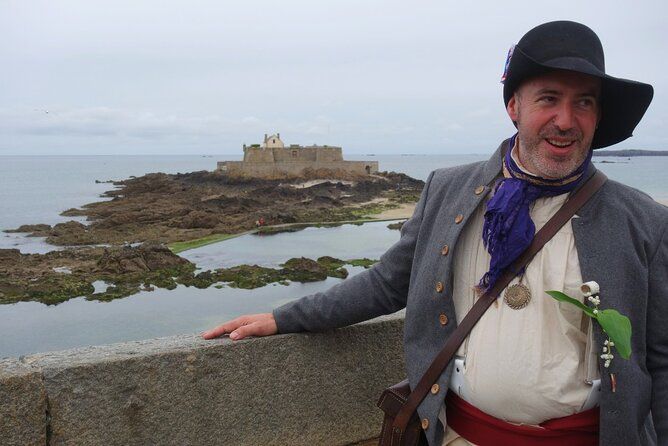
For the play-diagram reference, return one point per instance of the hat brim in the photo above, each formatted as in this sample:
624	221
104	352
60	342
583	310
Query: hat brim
623	101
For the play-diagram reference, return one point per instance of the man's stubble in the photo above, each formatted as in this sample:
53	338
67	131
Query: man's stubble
541	163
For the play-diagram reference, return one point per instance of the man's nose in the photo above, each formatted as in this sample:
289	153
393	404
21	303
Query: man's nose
564	116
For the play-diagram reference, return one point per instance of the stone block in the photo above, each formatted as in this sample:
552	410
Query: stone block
302	389
23	417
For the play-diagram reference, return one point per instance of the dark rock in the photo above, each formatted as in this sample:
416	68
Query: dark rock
39	228
199	219
147	257
397	225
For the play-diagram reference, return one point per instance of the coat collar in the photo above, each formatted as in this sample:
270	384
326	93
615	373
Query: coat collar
492	167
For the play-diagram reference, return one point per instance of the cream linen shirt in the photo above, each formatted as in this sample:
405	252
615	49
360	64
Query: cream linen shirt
529	365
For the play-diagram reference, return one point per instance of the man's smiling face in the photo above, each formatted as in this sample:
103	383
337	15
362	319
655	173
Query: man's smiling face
556	115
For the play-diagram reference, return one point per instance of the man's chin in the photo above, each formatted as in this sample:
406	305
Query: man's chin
554	169
561	163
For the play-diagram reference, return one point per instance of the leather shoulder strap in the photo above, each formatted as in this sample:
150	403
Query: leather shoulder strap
563	215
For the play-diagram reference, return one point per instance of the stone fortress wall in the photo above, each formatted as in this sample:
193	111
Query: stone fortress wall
272	159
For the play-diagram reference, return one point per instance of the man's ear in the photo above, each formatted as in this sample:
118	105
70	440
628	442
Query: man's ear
512	108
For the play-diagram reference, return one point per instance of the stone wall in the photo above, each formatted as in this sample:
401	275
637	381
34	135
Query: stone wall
328	154
294	153
23	405
279	170
258	155
292	161
301	389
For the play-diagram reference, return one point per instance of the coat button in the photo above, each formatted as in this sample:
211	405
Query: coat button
439	287
459	218
445	250
425	423
435	388
479	190
443	319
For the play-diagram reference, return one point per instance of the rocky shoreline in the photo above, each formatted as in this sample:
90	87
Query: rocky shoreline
181	207
58	276
125	241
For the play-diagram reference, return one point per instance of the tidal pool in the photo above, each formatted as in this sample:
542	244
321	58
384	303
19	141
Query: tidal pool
344	242
32	327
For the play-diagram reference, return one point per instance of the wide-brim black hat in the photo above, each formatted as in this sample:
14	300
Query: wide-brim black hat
565	45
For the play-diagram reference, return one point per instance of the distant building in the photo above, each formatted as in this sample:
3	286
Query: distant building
271	142
272	159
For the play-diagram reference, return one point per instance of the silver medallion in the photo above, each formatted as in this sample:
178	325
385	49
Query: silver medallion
517	296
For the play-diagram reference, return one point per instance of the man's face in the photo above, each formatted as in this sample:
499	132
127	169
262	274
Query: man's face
556	115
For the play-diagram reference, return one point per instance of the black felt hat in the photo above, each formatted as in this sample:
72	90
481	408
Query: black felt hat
566	45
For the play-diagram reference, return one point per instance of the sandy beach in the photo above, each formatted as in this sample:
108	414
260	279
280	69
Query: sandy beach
403	211
406	211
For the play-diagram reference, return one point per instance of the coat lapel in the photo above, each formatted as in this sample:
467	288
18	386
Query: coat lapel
469	199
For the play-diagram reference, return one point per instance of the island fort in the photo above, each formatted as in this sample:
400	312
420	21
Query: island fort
273	159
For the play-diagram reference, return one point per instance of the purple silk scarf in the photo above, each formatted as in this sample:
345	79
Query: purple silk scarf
508	229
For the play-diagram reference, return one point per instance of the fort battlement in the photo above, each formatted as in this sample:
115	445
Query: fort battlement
272	159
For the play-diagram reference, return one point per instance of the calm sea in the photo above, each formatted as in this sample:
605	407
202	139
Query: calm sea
37	189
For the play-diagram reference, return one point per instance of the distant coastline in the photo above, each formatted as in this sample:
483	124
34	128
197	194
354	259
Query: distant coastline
631	152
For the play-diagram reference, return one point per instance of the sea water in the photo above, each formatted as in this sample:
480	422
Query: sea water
36	189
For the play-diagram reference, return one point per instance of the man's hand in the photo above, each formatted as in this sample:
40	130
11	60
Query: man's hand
262	324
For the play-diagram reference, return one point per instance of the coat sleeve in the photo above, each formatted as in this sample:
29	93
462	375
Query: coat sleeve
381	289
657	337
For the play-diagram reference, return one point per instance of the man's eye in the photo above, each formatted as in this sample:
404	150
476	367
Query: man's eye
547	99
588	103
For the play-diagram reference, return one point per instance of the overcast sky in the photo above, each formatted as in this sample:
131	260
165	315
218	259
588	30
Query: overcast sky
204	77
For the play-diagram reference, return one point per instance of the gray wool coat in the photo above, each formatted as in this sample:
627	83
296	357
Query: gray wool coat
622	243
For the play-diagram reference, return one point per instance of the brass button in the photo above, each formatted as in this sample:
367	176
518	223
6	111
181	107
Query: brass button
435	388
425	423
443	319
439	287
479	190
445	250
459	218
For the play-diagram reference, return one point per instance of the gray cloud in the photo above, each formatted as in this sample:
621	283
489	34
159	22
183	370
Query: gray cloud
205	76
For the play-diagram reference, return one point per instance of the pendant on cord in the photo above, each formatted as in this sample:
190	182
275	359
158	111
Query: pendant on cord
517	296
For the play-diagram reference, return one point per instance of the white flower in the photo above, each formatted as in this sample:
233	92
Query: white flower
595	311
589	288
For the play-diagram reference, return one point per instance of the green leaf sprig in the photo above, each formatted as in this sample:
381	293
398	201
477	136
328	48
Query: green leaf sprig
614	324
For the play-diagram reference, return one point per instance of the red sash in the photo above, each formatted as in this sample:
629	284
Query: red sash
580	429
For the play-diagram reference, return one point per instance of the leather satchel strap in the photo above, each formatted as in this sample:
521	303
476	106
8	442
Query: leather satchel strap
563	215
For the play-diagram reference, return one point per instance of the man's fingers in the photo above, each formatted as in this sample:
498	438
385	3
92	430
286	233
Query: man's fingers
245	330
243	326
227	327
214	332
262	327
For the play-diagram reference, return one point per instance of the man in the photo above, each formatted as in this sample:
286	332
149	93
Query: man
529	360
